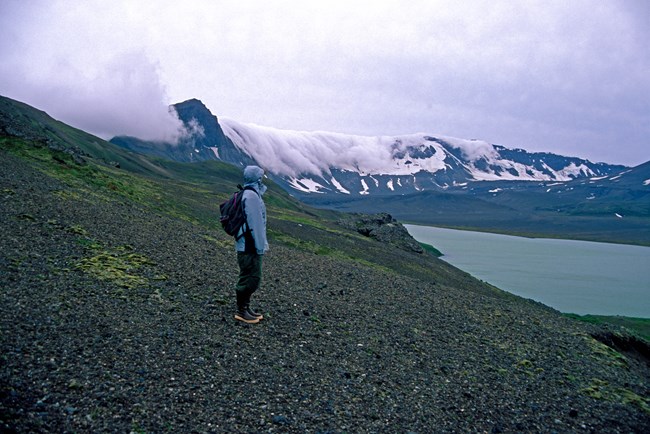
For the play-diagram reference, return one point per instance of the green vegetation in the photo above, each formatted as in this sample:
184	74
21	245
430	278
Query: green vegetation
192	192
432	250
600	389
640	326
120	265
608	354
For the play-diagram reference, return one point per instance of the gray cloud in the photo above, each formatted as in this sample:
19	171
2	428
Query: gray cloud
106	93
567	77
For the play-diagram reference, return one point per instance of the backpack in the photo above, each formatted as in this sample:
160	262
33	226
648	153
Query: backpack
232	212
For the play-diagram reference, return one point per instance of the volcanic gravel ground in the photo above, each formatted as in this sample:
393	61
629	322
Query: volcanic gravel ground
343	347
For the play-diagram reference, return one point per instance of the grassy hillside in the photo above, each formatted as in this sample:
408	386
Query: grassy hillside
117	302
640	326
20	120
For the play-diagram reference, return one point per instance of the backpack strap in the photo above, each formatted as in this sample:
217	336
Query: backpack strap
248	187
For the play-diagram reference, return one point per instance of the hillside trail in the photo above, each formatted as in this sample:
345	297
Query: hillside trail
119	318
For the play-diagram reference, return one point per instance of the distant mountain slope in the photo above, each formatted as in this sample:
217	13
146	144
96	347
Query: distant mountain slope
322	162
613	209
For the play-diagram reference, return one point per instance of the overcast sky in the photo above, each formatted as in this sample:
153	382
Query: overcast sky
569	76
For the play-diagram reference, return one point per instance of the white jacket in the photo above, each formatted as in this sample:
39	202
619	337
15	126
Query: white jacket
255	211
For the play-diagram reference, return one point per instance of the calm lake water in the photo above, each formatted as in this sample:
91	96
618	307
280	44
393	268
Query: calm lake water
571	276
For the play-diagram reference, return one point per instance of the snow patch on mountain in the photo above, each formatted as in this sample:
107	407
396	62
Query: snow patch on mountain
365	190
617	177
306	185
338	186
573	171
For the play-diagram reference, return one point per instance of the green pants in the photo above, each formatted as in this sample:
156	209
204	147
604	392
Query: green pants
250	276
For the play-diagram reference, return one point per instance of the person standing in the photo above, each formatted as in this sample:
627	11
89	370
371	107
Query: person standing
251	244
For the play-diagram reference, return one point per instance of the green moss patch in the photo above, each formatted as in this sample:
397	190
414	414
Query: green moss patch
609	355
432	250
119	266
599	389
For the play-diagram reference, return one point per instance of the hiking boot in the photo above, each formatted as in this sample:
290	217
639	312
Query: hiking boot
244	316
253	313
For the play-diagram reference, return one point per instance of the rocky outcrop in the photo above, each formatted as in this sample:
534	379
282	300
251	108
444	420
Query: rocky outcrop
384	228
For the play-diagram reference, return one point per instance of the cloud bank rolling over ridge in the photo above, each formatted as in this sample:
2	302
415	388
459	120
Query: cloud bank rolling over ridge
294	153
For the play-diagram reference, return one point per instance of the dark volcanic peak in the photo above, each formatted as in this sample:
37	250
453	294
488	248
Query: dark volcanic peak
193	109
202	140
192	102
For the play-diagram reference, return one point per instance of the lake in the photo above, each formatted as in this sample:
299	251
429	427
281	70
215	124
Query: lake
571	276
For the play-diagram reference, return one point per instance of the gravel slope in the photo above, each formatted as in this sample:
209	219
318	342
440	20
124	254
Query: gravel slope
344	347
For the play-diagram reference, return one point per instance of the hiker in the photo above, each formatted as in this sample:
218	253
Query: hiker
252	246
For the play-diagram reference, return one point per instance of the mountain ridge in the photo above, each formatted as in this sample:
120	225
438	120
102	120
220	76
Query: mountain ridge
321	162
326	162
